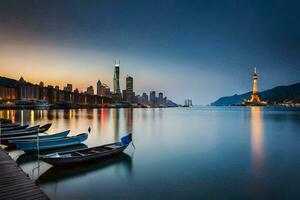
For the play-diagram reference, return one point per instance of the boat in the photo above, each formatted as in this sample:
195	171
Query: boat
9	125
29	146
29	157
5	121
87	155
28	131
41	105
25	138
13	128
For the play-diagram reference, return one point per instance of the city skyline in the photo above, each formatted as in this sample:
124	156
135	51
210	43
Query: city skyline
183	46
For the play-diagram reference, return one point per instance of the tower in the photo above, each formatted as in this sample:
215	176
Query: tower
116	79
254	97
99	88
129	89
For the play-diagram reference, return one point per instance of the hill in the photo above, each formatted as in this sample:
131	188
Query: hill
290	93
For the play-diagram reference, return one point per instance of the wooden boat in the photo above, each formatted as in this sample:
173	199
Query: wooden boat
29	157
25	138
29	146
13	128
16	132
28	131
89	154
9	125
5	121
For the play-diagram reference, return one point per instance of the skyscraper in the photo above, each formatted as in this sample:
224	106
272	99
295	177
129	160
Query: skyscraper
90	90
116	79
152	97
160	98
99	88
68	88
145	98
129	89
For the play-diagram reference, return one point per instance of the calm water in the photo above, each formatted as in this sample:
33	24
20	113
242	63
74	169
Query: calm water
181	153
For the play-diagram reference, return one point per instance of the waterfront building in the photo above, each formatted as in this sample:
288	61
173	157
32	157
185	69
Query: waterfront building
90	90
7	93
105	91
99	85
140	99
129	89
255	99
152	97
145	98
68	88
27	91
61	96
116	81
160	98
124	95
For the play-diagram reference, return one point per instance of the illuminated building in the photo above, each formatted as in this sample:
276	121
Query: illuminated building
7	94
116	79
254	100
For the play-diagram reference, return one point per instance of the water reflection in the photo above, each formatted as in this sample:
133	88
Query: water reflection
257	146
116	121
56	174
129	120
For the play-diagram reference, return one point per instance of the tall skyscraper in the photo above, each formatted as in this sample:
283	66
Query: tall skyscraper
160	98
152	97
129	89
99	88
145	98
117	89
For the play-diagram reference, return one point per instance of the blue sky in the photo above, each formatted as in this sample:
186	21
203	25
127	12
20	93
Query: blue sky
186	49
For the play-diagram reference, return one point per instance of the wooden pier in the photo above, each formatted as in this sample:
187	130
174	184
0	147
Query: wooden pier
14	183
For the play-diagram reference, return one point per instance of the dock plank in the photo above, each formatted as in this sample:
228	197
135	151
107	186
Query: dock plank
15	184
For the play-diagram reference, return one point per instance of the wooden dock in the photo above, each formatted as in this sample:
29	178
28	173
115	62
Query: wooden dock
14	183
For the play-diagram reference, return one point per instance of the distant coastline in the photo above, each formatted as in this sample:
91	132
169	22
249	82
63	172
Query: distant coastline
21	94
284	96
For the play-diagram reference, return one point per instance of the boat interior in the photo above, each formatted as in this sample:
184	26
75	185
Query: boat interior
90	151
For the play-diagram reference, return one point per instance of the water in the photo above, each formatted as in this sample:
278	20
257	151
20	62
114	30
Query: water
181	153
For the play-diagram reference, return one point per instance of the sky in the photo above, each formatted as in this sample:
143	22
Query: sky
186	49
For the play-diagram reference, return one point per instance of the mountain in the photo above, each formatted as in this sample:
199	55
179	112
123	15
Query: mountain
290	93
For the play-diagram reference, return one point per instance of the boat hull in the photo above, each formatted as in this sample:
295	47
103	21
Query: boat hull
84	159
13	128
41	137
28	131
51	144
